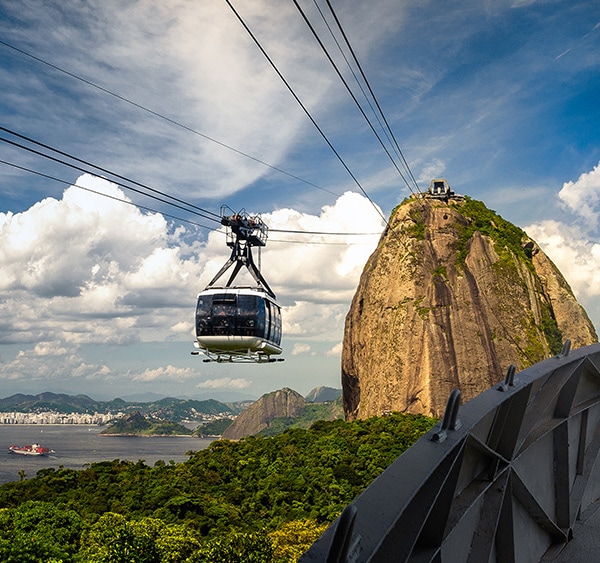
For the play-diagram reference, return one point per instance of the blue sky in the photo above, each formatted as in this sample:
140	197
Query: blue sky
97	297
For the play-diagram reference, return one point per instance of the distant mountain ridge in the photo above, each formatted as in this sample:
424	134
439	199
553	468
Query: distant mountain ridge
164	409
276	411
323	395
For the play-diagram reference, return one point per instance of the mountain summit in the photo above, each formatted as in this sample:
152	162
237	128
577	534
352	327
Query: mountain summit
450	298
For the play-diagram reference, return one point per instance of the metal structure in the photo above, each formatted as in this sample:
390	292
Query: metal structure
509	476
439	188
243	232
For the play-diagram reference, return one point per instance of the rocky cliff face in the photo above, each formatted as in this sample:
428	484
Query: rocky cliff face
450	298
278	404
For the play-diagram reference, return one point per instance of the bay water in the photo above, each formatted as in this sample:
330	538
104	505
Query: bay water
76	445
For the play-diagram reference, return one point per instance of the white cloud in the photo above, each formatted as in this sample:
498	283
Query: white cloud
87	268
38	365
49	349
583	196
169	373
224	383
336	350
300	349
575	255
573	245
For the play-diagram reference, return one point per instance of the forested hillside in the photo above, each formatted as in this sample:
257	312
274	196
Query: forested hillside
262	499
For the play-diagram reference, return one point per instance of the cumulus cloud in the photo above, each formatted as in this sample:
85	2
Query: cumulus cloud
336	350
582	197
225	383
90	269
300	349
573	244
169	373
72	279
575	255
39	365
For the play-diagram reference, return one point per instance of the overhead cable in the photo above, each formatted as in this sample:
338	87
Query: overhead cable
164	117
346	85
121	200
146	208
304	108
366	80
206	214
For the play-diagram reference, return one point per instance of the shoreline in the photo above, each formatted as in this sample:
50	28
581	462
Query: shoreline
146	435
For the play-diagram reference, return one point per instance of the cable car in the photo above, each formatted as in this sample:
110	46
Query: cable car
239	323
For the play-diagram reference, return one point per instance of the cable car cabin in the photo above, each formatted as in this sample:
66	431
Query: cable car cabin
237	325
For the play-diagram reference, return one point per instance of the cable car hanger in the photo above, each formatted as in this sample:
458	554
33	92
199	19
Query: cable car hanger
243	232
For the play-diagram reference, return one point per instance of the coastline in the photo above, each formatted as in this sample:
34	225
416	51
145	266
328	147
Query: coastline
111	435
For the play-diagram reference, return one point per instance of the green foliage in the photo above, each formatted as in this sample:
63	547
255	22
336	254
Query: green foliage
416	229
237	548
440	271
551	331
226	501
138	425
294	538
39	531
213	428
505	235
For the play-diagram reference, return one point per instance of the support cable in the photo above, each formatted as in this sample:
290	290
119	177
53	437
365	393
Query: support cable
90	190
304	108
195	209
152	210
165	118
364	76
347	86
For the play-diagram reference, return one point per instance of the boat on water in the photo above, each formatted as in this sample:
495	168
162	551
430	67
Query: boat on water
33	449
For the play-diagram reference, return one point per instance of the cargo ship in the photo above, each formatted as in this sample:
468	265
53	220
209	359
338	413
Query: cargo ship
33	449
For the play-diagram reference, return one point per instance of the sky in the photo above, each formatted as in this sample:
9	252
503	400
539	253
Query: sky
98	281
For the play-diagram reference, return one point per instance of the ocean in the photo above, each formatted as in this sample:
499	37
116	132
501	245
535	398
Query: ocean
77	445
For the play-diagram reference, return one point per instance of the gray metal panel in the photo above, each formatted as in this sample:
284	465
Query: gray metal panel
503	478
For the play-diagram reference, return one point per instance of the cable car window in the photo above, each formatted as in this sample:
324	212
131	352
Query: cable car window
277	315
247	312
224	298
268	321
261	318
203	313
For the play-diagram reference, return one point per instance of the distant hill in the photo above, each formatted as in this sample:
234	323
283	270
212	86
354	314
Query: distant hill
312	412
50	401
213	428
323	395
137	424
164	409
276	411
